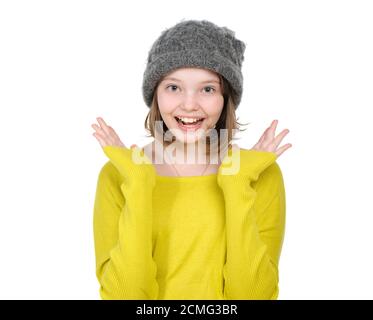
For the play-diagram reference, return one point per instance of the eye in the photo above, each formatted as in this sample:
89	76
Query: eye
210	88
172	85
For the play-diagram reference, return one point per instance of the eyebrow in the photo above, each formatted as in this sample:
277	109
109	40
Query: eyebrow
170	78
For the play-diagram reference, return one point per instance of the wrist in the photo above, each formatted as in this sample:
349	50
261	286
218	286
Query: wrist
241	165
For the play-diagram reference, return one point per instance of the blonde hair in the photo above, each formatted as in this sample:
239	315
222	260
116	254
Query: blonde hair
227	119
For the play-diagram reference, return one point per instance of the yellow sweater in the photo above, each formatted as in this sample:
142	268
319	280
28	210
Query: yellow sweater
200	237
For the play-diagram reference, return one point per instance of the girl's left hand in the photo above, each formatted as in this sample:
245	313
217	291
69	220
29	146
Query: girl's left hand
268	141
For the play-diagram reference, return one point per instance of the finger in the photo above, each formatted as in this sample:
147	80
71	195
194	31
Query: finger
104	126
99	130
110	131
264	135
281	136
271	135
268	135
272	128
281	150
101	120
100	139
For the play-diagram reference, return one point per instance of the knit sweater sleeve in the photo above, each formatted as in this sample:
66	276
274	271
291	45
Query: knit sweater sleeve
125	267
255	224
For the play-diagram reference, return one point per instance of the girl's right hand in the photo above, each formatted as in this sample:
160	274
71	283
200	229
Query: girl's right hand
106	135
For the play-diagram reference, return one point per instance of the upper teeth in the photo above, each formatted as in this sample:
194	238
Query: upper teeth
189	120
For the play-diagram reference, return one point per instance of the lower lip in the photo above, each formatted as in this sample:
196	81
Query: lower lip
190	127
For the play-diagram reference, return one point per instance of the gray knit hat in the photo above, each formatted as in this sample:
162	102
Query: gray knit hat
195	43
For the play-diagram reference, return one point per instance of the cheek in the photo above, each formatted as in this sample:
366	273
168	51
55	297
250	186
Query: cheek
166	108
214	108
166	103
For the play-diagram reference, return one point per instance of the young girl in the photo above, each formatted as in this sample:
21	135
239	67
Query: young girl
190	229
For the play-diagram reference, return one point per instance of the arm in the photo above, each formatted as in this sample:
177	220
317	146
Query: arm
255	223
125	267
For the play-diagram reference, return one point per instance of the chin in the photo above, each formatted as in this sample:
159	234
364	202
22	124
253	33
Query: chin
188	137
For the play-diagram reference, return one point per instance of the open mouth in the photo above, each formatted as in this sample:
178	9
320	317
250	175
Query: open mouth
189	122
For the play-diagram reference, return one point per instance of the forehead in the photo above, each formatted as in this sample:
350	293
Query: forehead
191	74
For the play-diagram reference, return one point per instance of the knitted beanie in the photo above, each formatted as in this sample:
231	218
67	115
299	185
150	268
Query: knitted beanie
194	43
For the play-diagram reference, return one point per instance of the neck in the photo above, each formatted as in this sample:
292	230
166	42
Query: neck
182	153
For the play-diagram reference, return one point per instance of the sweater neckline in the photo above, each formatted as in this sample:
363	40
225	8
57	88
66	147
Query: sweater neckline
207	177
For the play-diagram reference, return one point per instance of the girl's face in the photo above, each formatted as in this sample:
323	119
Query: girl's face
188	95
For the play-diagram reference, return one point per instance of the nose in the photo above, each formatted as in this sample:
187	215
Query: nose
190	102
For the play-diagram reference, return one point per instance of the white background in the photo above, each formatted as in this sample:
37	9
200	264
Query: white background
63	63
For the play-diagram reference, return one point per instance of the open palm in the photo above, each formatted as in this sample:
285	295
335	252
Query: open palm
106	135
268	141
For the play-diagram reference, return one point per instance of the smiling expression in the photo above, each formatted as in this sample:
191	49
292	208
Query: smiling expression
190	101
